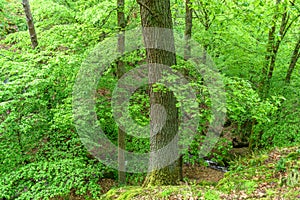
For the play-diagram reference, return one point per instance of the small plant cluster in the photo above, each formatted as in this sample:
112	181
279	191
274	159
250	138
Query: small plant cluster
47	179
267	172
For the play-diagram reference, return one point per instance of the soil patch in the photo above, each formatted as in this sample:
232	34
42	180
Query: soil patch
201	173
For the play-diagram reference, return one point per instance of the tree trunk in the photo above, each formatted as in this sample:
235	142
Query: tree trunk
270	45
30	23
157	13
187	54
206	19
188	29
273	47
294	59
120	73
276	45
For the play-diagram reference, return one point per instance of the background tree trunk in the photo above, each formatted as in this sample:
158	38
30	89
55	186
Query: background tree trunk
120	73
273	46
268	56
294	59
29	19
187	54
157	13
188	29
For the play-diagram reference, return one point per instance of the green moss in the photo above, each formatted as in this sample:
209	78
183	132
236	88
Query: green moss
122	193
292	194
207	183
243	178
294	155
165	176
293	178
166	193
211	195
160	192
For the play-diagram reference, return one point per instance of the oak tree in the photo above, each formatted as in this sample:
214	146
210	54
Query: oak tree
158	30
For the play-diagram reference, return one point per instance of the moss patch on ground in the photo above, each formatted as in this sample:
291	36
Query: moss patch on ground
162	192
262	175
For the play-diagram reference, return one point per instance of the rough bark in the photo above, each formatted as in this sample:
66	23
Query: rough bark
157	13
294	59
120	73
30	24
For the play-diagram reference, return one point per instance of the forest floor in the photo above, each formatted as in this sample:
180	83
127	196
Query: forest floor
195	174
273	174
265	175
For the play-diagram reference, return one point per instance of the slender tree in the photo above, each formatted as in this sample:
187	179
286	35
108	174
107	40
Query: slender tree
120	73
188	28
274	44
206	18
30	24
294	59
187	54
157	13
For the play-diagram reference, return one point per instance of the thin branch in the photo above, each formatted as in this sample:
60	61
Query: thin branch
288	27
145	6
293	4
294	59
107	17
128	16
199	18
283	29
6	57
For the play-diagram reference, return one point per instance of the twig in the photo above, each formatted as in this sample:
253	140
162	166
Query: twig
6	57
128	16
293	4
107	17
145	6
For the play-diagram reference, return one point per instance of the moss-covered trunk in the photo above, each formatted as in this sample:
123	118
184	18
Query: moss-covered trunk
165	176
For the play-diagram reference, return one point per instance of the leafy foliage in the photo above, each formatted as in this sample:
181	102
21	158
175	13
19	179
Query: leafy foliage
11	18
50	179
41	154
